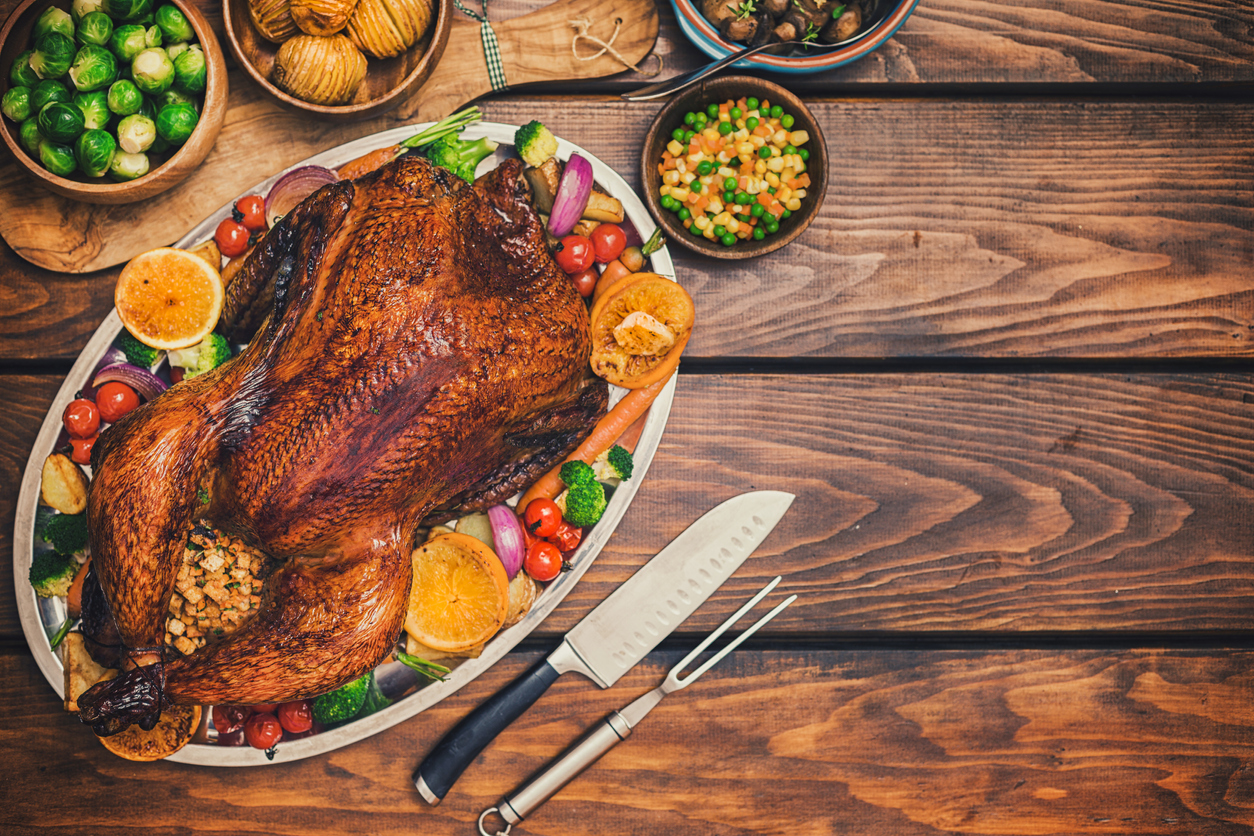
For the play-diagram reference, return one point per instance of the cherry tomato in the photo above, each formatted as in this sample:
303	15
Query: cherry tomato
568	536
228	719
608	242
543	561
81	418
232	238
253	208
262	731
264	708
176	374
235	738
114	400
542	517
586	282
575	255
296	717
81	449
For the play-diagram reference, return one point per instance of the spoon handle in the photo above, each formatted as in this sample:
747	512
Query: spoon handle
679	82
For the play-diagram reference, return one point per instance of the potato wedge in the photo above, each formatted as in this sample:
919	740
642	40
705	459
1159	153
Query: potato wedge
64	486
543	181
522	594
210	253
602	207
81	671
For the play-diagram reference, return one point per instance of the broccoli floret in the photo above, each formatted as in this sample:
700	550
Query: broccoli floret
375	700
575	471
51	574
67	533
535	143
207	354
343	703
459	156
585	503
137	354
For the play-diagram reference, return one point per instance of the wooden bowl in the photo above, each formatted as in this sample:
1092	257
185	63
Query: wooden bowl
388	81
716	91
15	39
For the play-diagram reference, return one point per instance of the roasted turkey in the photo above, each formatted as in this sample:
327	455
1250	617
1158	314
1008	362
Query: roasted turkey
414	350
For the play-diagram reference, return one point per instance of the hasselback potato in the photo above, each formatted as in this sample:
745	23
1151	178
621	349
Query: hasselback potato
273	19
324	71
386	28
322	17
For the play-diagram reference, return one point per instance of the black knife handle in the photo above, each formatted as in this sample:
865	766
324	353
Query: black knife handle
437	773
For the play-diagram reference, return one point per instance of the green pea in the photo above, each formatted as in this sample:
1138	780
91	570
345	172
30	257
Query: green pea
727	239
688	135
744	217
665	200
805	155
705	167
777	112
678	134
764	152
751	103
770	190
790	149
787	121
751	122
785	215
701	119
736	113
724	128
757	210
772	226
712	111
729	184
744	199
690	118
684	213
720	231
693	229
758	233
729	197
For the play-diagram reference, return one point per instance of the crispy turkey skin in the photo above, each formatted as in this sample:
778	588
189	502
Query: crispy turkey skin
414	350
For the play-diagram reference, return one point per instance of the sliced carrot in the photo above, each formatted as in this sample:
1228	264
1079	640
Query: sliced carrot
74	599
614	270
701	203
765	199
367	163
607	431
802	182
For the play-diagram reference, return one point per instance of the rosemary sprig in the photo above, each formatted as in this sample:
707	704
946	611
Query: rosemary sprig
428	669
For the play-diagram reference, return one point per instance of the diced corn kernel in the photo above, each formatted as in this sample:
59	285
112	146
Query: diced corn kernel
680	165
775	164
772	179
724	157
798	138
693	159
715	207
666	189
687	177
757	141
701	221
799	193
783	193
793	204
744	148
705	189
722	218
710	133
709	232
780	138
787	174
754	187
760	167
680	193
675	148
733	225
671	177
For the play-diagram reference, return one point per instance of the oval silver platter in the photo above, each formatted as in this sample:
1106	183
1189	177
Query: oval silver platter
41	617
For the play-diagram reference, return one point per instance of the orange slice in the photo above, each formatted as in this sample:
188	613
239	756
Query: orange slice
169	298
460	594
639	329
175	728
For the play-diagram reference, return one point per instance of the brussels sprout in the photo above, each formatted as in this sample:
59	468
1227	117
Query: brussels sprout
173	96
153	71
46	91
53	54
148	108
127	166
175	50
30	136
20	74
159	146
95	28
176	122
53	20
57	158
189	71
136	133
16	104
79	9
124	98
126	9
174	24
94	68
94	151
127	42
152	36
61	122
95	107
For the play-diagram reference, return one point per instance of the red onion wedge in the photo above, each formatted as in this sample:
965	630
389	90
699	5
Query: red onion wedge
572	196
142	381
507	535
293	187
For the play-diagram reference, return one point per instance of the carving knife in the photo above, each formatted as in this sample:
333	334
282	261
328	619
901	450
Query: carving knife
621	630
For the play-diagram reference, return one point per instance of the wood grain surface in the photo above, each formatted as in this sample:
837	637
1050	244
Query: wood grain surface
816	741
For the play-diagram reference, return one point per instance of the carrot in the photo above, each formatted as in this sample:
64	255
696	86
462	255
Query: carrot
74	599
604	434
701	203
614	270
367	163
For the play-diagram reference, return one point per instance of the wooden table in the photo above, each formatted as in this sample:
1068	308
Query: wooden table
1006	373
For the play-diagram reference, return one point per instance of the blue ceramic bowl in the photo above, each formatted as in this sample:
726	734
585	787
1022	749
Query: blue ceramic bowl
705	35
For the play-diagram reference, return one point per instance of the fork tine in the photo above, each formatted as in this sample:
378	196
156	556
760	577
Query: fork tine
723	628
736	642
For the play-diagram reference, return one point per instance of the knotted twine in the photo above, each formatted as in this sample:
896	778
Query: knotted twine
581	26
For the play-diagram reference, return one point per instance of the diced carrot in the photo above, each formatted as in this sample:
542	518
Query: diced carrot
765	199
802	182
744	182
701	203
687	223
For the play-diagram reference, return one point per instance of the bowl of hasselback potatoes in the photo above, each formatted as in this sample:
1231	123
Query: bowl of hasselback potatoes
341	59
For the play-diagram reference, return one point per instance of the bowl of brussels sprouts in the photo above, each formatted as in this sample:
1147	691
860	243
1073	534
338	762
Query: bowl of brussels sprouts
110	101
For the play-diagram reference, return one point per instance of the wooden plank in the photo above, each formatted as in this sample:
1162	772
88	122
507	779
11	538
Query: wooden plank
770	742
952	229
988	504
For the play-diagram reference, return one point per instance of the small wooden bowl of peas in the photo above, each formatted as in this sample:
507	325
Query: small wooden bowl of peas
734	168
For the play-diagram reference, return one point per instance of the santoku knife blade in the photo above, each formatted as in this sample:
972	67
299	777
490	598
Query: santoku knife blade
622	629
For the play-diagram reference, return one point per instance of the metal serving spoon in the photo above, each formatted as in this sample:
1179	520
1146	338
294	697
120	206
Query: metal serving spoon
680	82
